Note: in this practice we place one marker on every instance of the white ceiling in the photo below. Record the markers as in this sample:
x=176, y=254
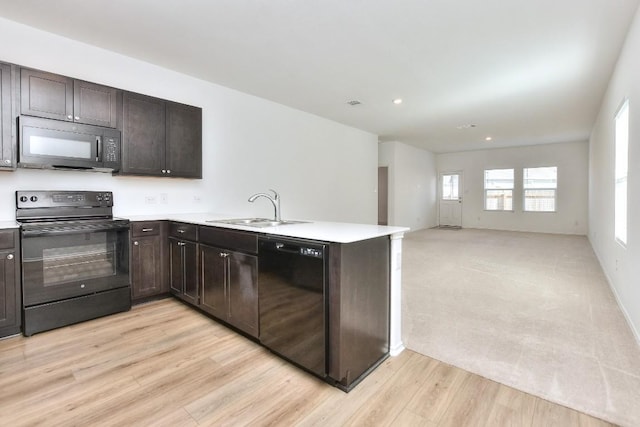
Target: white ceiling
x=524, y=71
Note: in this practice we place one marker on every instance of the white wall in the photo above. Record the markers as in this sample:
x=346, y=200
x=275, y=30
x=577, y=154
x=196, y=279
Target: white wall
x=412, y=185
x=571, y=204
x=620, y=264
x=322, y=169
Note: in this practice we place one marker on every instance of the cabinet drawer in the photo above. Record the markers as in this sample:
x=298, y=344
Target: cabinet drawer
x=7, y=239
x=183, y=231
x=145, y=228
x=223, y=238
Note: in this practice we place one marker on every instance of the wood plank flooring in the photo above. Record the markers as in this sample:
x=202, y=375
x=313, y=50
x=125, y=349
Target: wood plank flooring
x=164, y=364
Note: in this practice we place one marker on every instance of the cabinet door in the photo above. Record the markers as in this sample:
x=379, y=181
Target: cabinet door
x=8, y=308
x=176, y=263
x=243, y=292
x=6, y=117
x=214, y=290
x=146, y=266
x=95, y=104
x=46, y=95
x=143, y=135
x=191, y=288
x=184, y=140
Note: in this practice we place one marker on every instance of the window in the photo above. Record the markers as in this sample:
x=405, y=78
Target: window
x=498, y=189
x=450, y=187
x=540, y=186
x=621, y=167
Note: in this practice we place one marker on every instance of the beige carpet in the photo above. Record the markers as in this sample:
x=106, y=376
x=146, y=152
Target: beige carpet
x=532, y=311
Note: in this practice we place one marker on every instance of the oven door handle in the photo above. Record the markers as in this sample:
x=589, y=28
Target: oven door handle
x=74, y=230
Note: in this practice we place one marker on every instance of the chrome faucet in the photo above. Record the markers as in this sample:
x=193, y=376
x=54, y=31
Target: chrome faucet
x=275, y=200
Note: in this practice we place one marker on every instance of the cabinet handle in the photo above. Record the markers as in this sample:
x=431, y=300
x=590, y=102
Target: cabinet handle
x=77, y=118
x=10, y=256
x=164, y=171
x=135, y=243
x=223, y=254
x=168, y=170
x=180, y=231
x=181, y=243
x=70, y=117
x=7, y=161
x=144, y=230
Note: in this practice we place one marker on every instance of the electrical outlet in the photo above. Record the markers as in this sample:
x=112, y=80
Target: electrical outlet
x=164, y=198
x=150, y=200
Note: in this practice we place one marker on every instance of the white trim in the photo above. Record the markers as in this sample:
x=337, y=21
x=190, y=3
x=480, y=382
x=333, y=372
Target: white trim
x=395, y=298
x=634, y=331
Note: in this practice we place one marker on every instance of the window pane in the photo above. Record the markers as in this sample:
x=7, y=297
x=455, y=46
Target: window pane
x=499, y=200
x=540, y=177
x=498, y=178
x=621, y=211
x=450, y=187
x=621, y=170
x=498, y=188
x=540, y=200
x=540, y=189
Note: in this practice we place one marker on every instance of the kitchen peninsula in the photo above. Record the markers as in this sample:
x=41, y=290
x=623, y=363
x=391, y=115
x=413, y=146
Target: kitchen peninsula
x=214, y=267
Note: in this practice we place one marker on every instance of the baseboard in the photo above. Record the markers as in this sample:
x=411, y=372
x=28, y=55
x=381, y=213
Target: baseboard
x=397, y=349
x=634, y=331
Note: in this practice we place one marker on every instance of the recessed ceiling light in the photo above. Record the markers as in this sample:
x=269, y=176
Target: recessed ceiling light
x=466, y=126
x=397, y=101
x=488, y=138
x=354, y=102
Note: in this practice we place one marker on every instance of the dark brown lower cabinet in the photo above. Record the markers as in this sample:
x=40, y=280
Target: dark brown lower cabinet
x=230, y=287
x=358, y=321
x=148, y=242
x=10, y=298
x=183, y=276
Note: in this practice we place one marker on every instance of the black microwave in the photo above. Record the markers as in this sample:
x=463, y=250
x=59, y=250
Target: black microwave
x=53, y=144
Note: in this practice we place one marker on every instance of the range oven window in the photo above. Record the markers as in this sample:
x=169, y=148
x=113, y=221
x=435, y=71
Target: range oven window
x=58, y=266
x=82, y=262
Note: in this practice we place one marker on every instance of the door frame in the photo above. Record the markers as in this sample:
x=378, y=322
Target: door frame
x=383, y=195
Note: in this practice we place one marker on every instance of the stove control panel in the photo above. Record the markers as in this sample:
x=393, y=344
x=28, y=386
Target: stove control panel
x=53, y=199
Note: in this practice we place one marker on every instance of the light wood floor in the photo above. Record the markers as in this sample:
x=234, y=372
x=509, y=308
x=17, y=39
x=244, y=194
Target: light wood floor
x=163, y=363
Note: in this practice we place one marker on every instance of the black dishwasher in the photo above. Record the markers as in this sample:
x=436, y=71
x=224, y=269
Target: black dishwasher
x=292, y=298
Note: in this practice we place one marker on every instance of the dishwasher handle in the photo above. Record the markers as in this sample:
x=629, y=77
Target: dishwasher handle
x=303, y=248
x=281, y=247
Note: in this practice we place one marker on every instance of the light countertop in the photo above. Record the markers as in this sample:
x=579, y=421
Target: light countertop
x=8, y=224
x=339, y=232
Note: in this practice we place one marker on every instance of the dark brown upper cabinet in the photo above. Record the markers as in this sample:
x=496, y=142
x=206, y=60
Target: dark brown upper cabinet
x=160, y=138
x=184, y=140
x=53, y=96
x=143, y=135
x=7, y=131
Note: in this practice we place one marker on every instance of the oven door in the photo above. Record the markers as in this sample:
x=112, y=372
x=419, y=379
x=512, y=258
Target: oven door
x=60, y=262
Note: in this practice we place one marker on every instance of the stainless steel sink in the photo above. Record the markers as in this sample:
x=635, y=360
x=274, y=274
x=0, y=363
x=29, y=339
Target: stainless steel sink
x=255, y=222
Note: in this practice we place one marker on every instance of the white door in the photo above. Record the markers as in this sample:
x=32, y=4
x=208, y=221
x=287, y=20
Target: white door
x=450, y=199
